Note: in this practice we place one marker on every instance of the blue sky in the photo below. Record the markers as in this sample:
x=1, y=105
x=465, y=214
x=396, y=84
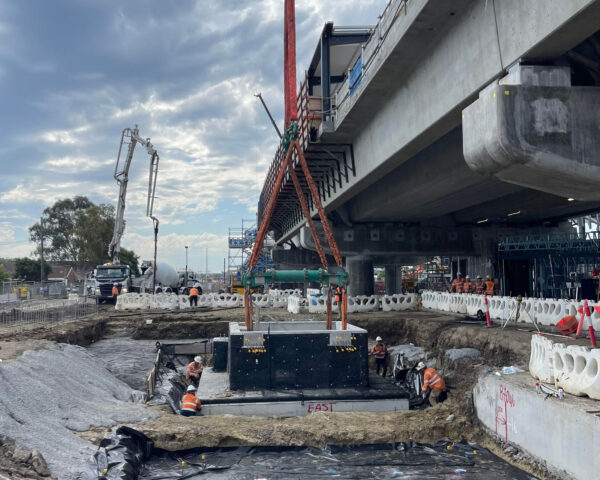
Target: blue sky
x=74, y=73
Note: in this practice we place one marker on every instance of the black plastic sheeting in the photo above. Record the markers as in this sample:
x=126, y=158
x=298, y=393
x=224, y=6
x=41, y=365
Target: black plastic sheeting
x=122, y=455
x=399, y=461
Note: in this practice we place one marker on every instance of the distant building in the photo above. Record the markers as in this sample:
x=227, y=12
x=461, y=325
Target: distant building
x=65, y=273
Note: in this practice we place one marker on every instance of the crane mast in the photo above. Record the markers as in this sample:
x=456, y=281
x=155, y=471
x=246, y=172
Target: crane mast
x=129, y=139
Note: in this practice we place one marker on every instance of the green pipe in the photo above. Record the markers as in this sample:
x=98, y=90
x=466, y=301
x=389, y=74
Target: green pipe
x=321, y=276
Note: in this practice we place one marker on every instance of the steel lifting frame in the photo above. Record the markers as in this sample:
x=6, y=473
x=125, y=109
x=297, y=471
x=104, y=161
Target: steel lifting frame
x=262, y=231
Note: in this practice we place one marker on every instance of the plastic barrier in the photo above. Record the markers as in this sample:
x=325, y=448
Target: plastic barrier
x=262, y=300
x=293, y=304
x=397, y=302
x=573, y=368
x=545, y=311
x=540, y=360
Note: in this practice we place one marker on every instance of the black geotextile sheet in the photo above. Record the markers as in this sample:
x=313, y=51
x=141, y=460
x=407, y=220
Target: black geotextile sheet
x=399, y=461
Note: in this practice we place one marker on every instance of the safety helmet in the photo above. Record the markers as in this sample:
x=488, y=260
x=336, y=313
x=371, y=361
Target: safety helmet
x=196, y=284
x=420, y=366
x=191, y=388
x=115, y=284
x=458, y=274
x=198, y=359
x=478, y=277
x=379, y=339
x=468, y=278
x=487, y=277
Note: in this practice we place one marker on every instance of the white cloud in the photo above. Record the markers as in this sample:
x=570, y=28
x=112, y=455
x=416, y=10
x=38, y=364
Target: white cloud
x=64, y=137
x=7, y=234
x=171, y=248
x=69, y=164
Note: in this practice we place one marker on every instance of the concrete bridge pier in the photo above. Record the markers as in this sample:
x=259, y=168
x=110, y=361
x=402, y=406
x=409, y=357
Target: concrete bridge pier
x=360, y=270
x=393, y=279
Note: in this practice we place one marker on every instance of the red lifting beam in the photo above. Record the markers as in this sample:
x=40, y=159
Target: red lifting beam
x=289, y=60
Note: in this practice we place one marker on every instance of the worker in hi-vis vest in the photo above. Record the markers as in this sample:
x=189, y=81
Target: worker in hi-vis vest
x=190, y=403
x=115, y=292
x=380, y=352
x=433, y=384
x=194, y=296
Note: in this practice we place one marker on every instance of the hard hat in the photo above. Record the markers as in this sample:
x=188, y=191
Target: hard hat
x=458, y=274
x=191, y=388
x=467, y=277
x=115, y=284
x=487, y=276
x=379, y=339
x=478, y=277
x=196, y=284
x=198, y=359
x=420, y=366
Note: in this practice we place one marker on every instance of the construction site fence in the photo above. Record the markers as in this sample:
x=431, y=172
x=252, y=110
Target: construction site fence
x=14, y=291
x=45, y=311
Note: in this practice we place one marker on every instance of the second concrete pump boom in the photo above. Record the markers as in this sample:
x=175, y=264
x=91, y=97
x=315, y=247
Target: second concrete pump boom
x=129, y=139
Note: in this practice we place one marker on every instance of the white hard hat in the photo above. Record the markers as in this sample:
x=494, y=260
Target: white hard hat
x=198, y=359
x=458, y=273
x=115, y=284
x=196, y=284
x=487, y=276
x=420, y=366
x=478, y=277
x=468, y=277
x=191, y=388
x=379, y=339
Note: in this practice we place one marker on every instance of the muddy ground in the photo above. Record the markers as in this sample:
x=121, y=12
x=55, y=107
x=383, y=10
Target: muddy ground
x=452, y=421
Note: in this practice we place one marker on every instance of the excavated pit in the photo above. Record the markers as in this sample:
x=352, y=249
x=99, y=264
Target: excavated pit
x=450, y=421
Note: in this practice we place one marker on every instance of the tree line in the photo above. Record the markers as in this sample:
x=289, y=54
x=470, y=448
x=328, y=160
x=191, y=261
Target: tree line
x=76, y=232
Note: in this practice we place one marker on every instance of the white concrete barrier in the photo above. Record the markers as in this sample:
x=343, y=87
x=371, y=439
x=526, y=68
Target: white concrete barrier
x=573, y=368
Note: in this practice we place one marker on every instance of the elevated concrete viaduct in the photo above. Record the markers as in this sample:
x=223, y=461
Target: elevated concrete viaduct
x=451, y=125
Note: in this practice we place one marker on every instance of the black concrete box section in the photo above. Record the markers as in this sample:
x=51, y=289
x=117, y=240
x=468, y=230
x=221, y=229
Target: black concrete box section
x=297, y=355
x=220, y=345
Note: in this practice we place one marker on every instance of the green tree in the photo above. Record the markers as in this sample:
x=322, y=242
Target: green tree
x=75, y=231
x=3, y=274
x=94, y=228
x=128, y=257
x=57, y=228
x=29, y=270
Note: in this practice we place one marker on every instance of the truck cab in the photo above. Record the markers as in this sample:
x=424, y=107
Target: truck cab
x=105, y=276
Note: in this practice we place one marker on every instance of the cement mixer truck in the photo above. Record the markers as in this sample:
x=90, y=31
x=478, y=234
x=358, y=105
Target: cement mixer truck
x=167, y=279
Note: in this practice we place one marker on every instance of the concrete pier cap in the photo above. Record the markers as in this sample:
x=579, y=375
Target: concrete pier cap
x=533, y=129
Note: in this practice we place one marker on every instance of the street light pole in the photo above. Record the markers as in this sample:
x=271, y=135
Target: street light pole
x=42, y=250
x=185, y=285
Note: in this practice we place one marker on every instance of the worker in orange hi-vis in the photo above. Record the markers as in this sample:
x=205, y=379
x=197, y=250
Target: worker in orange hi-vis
x=115, y=292
x=479, y=285
x=190, y=403
x=380, y=352
x=433, y=384
x=457, y=283
x=194, y=371
x=489, y=285
x=194, y=296
x=468, y=286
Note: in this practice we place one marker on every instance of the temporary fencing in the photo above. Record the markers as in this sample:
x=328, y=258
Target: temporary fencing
x=40, y=312
x=544, y=311
x=573, y=368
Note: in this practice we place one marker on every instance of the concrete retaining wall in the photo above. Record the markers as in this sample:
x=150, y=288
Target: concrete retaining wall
x=561, y=434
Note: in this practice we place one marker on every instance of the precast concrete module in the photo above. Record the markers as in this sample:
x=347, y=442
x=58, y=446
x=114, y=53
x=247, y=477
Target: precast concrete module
x=297, y=355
